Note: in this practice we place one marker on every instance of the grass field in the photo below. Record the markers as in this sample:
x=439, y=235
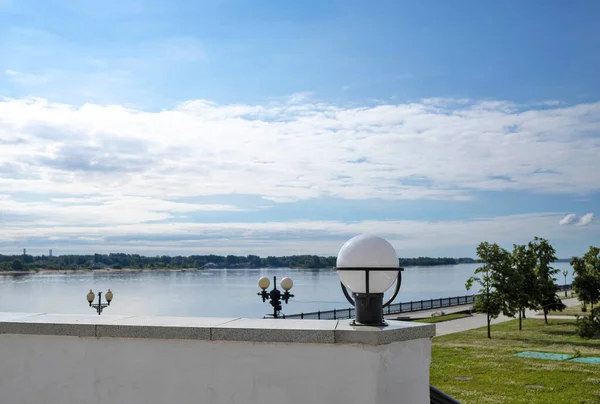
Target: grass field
x=446, y=317
x=473, y=369
x=570, y=311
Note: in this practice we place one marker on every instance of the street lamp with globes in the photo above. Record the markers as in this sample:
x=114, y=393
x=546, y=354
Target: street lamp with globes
x=99, y=306
x=368, y=265
x=275, y=296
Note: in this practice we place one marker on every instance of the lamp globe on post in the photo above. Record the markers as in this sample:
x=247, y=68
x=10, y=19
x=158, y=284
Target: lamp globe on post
x=286, y=284
x=108, y=296
x=368, y=266
x=264, y=283
x=90, y=297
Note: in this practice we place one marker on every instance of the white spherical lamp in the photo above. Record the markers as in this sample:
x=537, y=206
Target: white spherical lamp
x=367, y=251
x=286, y=283
x=264, y=283
x=361, y=264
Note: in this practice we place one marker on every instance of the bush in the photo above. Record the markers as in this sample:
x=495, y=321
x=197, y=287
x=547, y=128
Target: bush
x=117, y=266
x=589, y=326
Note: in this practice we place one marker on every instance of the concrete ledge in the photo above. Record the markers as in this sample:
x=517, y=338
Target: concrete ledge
x=270, y=330
x=395, y=331
x=214, y=329
x=162, y=327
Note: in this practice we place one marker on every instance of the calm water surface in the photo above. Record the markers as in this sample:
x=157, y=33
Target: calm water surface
x=215, y=293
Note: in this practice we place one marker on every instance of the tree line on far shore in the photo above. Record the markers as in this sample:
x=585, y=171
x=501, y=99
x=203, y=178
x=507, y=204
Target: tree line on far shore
x=136, y=261
x=511, y=282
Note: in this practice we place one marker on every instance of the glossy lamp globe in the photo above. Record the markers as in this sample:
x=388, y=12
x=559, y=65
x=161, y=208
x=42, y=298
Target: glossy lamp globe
x=367, y=251
x=286, y=283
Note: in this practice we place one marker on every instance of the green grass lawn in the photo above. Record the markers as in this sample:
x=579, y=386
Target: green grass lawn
x=473, y=369
x=446, y=317
x=570, y=311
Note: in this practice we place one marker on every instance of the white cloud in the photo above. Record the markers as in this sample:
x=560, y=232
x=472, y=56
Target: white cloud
x=101, y=210
x=122, y=170
x=572, y=218
x=300, y=151
x=569, y=219
x=410, y=238
x=585, y=219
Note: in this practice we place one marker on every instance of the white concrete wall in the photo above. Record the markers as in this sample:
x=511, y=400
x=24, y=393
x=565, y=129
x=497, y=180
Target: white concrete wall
x=40, y=369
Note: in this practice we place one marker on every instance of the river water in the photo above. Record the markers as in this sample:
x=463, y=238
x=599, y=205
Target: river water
x=214, y=293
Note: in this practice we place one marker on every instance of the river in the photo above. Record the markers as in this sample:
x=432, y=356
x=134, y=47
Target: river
x=214, y=293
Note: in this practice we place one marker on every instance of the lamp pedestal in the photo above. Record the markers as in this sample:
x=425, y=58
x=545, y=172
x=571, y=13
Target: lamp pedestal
x=369, y=309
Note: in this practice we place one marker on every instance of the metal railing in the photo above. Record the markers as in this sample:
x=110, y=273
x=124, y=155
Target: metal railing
x=394, y=308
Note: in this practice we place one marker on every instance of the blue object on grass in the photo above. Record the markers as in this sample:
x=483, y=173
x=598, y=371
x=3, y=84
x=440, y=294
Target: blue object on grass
x=587, y=359
x=544, y=355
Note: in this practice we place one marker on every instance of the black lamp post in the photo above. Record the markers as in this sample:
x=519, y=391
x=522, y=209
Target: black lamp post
x=368, y=266
x=99, y=306
x=275, y=296
x=565, y=272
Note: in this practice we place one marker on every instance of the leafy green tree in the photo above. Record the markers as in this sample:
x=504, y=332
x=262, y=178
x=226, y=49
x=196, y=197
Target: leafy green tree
x=523, y=281
x=17, y=265
x=545, y=296
x=492, y=279
x=586, y=282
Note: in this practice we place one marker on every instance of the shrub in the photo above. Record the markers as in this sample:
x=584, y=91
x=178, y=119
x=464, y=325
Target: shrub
x=589, y=326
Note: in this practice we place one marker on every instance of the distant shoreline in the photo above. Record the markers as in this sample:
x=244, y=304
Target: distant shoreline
x=136, y=270
x=102, y=270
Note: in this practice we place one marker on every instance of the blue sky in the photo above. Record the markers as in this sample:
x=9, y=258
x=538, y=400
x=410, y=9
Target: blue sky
x=274, y=127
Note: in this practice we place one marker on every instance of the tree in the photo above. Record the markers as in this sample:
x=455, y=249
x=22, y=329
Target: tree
x=492, y=278
x=231, y=260
x=545, y=295
x=586, y=282
x=314, y=262
x=17, y=265
x=523, y=280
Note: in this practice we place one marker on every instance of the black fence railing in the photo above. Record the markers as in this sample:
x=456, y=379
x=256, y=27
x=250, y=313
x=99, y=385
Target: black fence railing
x=396, y=308
x=562, y=288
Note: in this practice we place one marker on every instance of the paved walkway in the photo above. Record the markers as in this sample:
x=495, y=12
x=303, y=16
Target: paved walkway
x=479, y=320
x=413, y=315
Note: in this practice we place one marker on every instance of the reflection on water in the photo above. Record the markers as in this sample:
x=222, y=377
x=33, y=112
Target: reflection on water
x=217, y=292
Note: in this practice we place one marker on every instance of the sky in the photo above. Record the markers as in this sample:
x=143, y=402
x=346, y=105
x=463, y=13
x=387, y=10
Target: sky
x=274, y=128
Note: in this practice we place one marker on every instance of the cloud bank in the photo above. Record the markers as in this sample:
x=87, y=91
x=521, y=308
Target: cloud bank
x=409, y=237
x=299, y=151
x=115, y=175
